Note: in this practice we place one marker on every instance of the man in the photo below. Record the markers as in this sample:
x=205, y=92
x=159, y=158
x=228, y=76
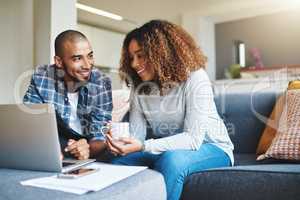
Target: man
x=80, y=94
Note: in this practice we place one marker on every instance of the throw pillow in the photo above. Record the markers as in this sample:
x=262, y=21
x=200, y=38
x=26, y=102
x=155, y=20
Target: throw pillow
x=294, y=85
x=271, y=126
x=272, y=123
x=286, y=144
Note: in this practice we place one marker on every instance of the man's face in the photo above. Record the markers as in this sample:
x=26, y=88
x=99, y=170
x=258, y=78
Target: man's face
x=76, y=60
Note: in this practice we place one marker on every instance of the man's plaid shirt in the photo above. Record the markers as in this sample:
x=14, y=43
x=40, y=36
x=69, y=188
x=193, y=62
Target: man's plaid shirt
x=94, y=98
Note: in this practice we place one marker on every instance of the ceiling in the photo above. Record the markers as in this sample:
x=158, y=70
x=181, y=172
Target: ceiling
x=137, y=12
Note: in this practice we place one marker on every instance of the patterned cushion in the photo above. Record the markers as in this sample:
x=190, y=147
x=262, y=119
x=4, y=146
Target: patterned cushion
x=286, y=144
x=271, y=126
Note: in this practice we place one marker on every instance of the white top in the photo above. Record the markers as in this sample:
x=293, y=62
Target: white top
x=74, y=121
x=184, y=118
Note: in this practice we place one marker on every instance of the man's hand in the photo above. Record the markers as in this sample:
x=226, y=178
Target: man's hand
x=79, y=149
x=123, y=146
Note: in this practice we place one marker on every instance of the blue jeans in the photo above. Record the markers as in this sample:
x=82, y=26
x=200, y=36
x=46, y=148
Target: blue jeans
x=178, y=164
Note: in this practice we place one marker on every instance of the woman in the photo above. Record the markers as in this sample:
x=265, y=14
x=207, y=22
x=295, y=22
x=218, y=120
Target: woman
x=173, y=97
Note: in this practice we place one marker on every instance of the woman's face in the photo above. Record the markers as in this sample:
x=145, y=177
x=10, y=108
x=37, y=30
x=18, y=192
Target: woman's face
x=139, y=62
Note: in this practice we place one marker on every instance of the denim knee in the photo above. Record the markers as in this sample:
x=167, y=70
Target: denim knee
x=172, y=162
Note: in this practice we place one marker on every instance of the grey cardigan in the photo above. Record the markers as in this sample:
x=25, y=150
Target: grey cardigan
x=184, y=118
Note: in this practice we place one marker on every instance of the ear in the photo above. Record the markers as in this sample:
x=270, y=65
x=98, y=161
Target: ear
x=58, y=61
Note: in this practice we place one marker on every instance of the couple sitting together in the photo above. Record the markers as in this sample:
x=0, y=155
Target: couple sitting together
x=174, y=125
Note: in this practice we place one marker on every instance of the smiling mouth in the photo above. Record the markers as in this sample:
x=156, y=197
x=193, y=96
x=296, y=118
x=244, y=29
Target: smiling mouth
x=141, y=70
x=85, y=73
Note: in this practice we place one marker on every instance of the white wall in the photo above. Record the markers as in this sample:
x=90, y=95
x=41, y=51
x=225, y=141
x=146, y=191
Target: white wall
x=107, y=47
x=16, y=39
x=106, y=44
x=42, y=46
x=63, y=17
x=50, y=18
x=28, y=30
x=202, y=30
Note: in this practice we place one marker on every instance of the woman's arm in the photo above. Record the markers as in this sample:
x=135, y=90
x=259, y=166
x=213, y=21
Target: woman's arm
x=200, y=118
x=137, y=121
x=138, y=129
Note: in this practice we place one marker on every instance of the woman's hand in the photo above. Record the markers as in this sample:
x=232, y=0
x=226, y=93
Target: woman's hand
x=123, y=146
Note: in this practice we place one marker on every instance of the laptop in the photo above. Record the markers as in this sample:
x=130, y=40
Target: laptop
x=29, y=139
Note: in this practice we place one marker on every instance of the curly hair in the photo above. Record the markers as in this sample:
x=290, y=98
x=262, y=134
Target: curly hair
x=168, y=48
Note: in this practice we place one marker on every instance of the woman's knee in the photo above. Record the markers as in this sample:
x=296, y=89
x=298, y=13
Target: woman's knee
x=174, y=161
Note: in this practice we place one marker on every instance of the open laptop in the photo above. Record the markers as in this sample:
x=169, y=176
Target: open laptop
x=29, y=139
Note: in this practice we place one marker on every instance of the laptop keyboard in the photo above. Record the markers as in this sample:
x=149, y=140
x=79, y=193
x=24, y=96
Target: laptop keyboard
x=64, y=164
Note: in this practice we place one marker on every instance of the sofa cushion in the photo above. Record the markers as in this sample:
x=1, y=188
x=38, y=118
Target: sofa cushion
x=273, y=121
x=245, y=182
x=120, y=104
x=286, y=144
x=271, y=126
x=245, y=114
x=250, y=159
x=244, y=159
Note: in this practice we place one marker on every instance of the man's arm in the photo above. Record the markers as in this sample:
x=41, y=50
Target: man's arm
x=81, y=149
x=32, y=95
x=100, y=116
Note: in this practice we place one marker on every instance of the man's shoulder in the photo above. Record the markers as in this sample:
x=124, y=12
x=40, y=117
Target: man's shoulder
x=43, y=76
x=99, y=78
x=44, y=71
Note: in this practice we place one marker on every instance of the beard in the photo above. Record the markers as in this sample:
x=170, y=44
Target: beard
x=72, y=82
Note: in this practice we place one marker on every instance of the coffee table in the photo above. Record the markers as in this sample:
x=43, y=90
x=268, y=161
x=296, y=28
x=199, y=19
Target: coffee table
x=147, y=184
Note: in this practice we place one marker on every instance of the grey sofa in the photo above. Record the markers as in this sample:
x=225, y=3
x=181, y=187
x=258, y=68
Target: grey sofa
x=248, y=179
